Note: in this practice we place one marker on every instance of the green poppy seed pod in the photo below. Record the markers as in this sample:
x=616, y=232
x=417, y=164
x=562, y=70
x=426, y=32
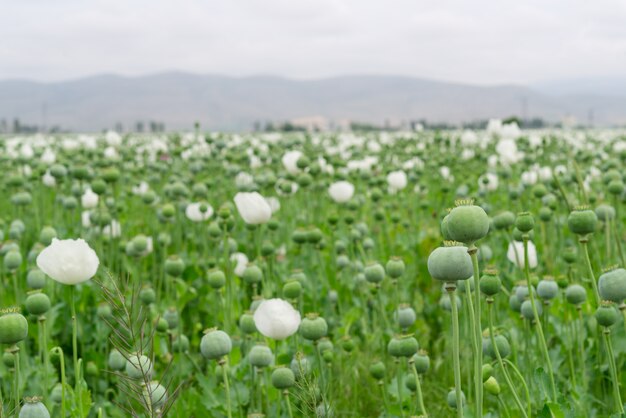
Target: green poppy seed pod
x=36, y=279
x=8, y=359
x=445, y=233
x=299, y=236
x=314, y=236
x=267, y=249
x=92, y=369
x=164, y=239
x=377, y=370
x=421, y=361
x=98, y=187
x=521, y=291
x=260, y=356
x=140, y=244
x=612, y=285
x=492, y=386
x=504, y=220
x=313, y=327
x=300, y=366
x=539, y=190
x=374, y=273
x=116, y=360
x=395, y=267
x=444, y=302
x=368, y=243
x=273, y=224
x=504, y=348
x=343, y=261
x=174, y=266
x=147, y=295
x=403, y=346
x=12, y=260
x=216, y=279
x=606, y=314
x=37, y=304
x=527, y=310
x=605, y=212
x=247, y=324
x=450, y=264
x=138, y=366
x=524, y=222
x=215, y=344
x=410, y=382
x=252, y=274
x=452, y=399
x=514, y=303
x=156, y=394
x=180, y=344
x=172, y=318
x=283, y=378
x=467, y=224
x=33, y=408
x=547, y=289
x=214, y=230
x=21, y=199
x=582, y=222
x=13, y=328
x=148, y=197
x=324, y=345
x=168, y=210
x=569, y=255
x=575, y=294
x=490, y=282
x=292, y=289
x=545, y=214
x=487, y=371
x=485, y=253
x=162, y=325
x=46, y=235
x=347, y=343
x=616, y=187
x=57, y=394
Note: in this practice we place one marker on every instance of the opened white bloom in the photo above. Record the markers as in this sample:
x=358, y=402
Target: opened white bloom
x=244, y=179
x=341, y=191
x=141, y=189
x=397, y=180
x=274, y=203
x=48, y=179
x=253, y=208
x=113, y=230
x=85, y=218
x=68, y=261
x=276, y=319
x=48, y=156
x=241, y=262
x=198, y=212
x=488, y=182
x=515, y=254
x=89, y=199
x=529, y=178
x=290, y=161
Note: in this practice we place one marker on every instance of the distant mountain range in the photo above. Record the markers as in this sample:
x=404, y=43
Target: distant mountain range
x=226, y=103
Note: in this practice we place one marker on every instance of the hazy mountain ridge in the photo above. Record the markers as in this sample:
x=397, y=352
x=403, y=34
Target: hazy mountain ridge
x=220, y=102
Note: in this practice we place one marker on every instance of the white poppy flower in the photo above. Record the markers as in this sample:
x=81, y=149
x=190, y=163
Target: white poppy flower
x=89, y=199
x=195, y=212
x=276, y=319
x=68, y=261
x=290, y=161
x=397, y=180
x=253, y=208
x=515, y=254
x=341, y=191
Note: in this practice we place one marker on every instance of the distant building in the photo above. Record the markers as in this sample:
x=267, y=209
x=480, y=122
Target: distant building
x=311, y=123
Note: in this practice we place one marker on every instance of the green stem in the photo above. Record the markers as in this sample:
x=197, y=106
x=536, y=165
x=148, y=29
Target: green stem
x=451, y=287
x=583, y=241
x=16, y=351
x=613, y=369
x=288, y=402
x=507, y=378
x=523, y=381
x=227, y=385
x=542, y=339
x=77, y=383
x=399, y=384
x=59, y=351
x=478, y=362
x=418, y=390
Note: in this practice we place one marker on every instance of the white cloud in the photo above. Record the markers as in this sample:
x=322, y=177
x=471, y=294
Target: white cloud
x=479, y=41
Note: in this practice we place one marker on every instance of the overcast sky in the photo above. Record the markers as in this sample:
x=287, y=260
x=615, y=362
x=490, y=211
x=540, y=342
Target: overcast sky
x=478, y=41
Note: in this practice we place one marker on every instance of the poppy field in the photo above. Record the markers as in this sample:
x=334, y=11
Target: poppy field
x=374, y=274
